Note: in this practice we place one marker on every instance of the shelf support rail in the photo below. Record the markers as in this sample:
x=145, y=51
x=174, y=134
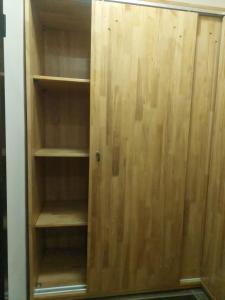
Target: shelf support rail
x=81, y=288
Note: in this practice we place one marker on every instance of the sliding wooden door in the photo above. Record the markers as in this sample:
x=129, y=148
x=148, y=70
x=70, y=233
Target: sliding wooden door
x=141, y=89
x=213, y=275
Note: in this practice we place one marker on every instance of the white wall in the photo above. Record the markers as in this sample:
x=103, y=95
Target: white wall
x=15, y=147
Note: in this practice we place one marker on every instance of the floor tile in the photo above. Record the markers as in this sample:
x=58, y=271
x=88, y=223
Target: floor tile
x=195, y=294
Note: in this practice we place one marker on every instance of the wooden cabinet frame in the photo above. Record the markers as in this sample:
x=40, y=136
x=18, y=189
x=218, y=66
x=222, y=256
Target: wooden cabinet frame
x=68, y=201
x=58, y=83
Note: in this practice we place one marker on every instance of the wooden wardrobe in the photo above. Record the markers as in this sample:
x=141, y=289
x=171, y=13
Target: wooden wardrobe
x=120, y=111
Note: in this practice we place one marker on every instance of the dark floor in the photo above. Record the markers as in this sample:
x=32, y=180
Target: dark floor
x=195, y=294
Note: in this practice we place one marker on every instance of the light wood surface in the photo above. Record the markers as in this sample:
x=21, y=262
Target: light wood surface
x=58, y=27
x=214, y=247
x=49, y=152
x=62, y=268
x=65, y=119
x=54, y=83
x=61, y=119
x=68, y=15
x=62, y=214
x=64, y=179
x=140, y=117
x=202, y=113
x=64, y=56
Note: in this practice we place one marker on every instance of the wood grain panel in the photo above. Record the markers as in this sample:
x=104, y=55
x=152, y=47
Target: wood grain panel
x=65, y=179
x=65, y=119
x=61, y=37
x=68, y=15
x=64, y=56
x=65, y=214
x=203, y=101
x=141, y=88
x=214, y=247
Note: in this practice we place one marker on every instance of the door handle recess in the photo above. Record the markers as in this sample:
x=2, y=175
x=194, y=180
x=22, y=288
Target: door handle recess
x=98, y=156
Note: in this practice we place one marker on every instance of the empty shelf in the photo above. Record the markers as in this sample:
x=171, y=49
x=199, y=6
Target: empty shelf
x=52, y=152
x=62, y=267
x=51, y=82
x=62, y=214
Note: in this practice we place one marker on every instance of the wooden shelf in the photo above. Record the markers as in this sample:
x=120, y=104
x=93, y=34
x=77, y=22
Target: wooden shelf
x=62, y=267
x=52, y=152
x=63, y=214
x=52, y=82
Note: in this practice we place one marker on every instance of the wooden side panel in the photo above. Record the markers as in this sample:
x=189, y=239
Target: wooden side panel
x=33, y=65
x=64, y=55
x=203, y=101
x=214, y=248
x=141, y=89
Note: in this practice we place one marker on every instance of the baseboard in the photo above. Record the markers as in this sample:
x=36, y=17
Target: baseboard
x=197, y=282
x=190, y=282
